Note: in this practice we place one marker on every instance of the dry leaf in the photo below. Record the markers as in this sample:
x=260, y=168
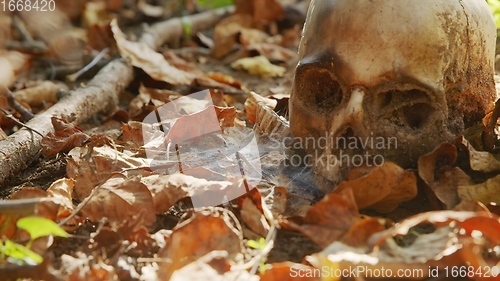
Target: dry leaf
x=261, y=10
x=141, y=105
x=5, y=28
x=273, y=52
x=119, y=199
x=65, y=41
x=482, y=161
x=193, y=239
x=250, y=36
x=168, y=189
x=438, y=164
x=253, y=213
x=329, y=219
x=12, y=63
x=225, y=79
x=3, y=135
x=66, y=137
x=226, y=33
x=486, y=192
x=132, y=132
x=449, y=245
x=153, y=63
x=90, y=165
x=61, y=191
x=252, y=104
x=289, y=271
x=214, y=266
x=362, y=230
x=382, y=188
x=259, y=65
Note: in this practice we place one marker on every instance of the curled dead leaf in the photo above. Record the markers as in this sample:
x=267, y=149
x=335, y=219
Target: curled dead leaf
x=328, y=219
x=437, y=171
x=168, y=189
x=153, y=63
x=119, y=199
x=482, y=161
x=381, y=188
x=259, y=65
x=90, y=165
x=486, y=192
x=66, y=137
x=196, y=237
x=252, y=103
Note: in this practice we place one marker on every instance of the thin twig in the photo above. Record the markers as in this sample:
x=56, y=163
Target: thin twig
x=11, y=100
x=72, y=78
x=19, y=123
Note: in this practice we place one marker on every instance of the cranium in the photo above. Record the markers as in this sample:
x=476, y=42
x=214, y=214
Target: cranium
x=370, y=71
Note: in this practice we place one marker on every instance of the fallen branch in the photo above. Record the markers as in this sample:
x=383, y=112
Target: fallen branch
x=100, y=94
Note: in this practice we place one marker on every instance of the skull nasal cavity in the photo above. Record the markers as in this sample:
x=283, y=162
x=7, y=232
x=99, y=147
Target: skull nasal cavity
x=320, y=90
x=416, y=115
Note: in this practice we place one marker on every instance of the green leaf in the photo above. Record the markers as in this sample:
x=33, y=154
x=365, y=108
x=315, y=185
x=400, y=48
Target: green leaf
x=40, y=227
x=214, y=4
x=20, y=253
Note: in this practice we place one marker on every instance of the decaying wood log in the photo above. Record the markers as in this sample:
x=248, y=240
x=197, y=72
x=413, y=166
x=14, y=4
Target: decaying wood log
x=100, y=94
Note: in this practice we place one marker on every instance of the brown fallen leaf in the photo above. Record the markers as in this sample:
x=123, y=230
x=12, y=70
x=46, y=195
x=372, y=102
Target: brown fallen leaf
x=141, y=105
x=273, y=52
x=362, y=230
x=328, y=219
x=225, y=79
x=226, y=33
x=482, y=161
x=55, y=29
x=254, y=214
x=91, y=165
x=196, y=237
x=250, y=36
x=3, y=135
x=213, y=266
x=289, y=271
x=168, y=189
x=261, y=10
x=252, y=103
x=145, y=58
x=12, y=63
x=386, y=261
x=61, y=192
x=487, y=192
x=5, y=28
x=259, y=65
x=381, y=188
x=119, y=199
x=66, y=137
x=437, y=171
x=451, y=244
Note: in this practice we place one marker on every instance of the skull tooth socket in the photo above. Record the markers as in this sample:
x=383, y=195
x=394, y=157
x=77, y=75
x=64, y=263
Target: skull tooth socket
x=419, y=71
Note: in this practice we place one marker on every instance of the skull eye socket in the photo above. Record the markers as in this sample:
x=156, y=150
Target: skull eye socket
x=317, y=88
x=397, y=97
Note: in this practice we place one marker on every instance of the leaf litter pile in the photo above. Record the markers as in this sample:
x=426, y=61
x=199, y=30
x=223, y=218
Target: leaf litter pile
x=94, y=192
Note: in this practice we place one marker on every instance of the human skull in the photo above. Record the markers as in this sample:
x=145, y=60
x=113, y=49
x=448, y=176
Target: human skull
x=371, y=71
